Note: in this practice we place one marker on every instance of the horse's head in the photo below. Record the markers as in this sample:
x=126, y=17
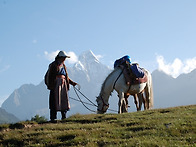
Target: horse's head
x=102, y=106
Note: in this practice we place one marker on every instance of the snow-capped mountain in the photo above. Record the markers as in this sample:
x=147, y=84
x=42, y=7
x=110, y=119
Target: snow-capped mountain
x=29, y=100
x=90, y=68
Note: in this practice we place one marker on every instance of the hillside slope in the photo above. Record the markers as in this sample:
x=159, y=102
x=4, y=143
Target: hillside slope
x=159, y=127
x=6, y=117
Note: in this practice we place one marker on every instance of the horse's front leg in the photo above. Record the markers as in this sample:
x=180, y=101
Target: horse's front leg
x=126, y=96
x=121, y=98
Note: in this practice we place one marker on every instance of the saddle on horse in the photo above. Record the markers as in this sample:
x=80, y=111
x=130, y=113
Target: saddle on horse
x=133, y=74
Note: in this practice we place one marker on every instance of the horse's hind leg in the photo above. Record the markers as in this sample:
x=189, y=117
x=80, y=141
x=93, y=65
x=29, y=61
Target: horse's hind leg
x=144, y=101
x=136, y=102
x=141, y=99
x=124, y=107
x=147, y=95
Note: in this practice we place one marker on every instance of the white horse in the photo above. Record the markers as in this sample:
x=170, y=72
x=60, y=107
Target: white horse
x=116, y=80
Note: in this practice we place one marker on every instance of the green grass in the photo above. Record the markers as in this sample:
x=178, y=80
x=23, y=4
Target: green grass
x=159, y=127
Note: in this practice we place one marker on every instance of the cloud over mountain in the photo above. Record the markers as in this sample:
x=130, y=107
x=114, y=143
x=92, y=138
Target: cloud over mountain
x=74, y=58
x=177, y=67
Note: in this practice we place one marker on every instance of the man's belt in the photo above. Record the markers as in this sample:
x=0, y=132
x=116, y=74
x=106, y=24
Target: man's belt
x=60, y=76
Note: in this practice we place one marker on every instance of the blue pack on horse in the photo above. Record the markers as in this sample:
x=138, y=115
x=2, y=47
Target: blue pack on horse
x=137, y=71
x=122, y=61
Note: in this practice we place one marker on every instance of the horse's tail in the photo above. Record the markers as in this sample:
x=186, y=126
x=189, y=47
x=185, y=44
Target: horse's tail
x=149, y=91
x=151, y=100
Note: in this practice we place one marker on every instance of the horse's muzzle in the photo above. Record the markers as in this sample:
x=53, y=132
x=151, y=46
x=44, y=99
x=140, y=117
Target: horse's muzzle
x=100, y=111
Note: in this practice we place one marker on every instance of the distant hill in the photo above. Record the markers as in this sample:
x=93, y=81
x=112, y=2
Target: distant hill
x=171, y=92
x=159, y=127
x=29, y=100
x=7, y=117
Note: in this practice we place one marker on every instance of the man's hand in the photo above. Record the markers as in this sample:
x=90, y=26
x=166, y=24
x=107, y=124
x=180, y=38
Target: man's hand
x=78, y=86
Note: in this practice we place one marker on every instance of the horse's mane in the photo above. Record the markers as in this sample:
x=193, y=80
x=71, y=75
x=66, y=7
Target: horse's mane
x=103, y=85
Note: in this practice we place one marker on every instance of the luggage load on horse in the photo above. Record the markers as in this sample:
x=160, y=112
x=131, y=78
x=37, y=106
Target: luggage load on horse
x=132, y=72
x=122, y=61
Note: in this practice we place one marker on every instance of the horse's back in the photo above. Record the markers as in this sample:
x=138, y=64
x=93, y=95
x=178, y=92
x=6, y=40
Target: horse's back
x=121, y=86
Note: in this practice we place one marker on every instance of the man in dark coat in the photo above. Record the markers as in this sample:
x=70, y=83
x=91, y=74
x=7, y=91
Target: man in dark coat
x=58, y=84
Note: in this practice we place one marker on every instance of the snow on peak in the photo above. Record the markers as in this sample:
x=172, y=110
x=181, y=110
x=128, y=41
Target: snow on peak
x=88, y=56
x=87, y=61
x=89, y=66
x=79, y=66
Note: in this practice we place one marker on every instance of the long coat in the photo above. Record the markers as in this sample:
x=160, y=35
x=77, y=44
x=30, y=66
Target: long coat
x=58, y=91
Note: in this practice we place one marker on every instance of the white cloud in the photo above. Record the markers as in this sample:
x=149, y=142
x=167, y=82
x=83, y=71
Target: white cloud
x=3, y=68
x=177, y=67
x=6, y=67
x=73, y=58
x=190, y=65
x=51, y=56
x=34, y=41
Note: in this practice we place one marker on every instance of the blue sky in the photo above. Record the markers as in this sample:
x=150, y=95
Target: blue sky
x=157, y=34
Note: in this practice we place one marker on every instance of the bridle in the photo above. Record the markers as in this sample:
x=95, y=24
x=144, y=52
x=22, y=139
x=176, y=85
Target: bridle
x=104, y=105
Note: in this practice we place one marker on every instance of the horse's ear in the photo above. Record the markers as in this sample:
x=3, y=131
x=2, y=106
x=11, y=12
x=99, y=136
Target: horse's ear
x=97, y=98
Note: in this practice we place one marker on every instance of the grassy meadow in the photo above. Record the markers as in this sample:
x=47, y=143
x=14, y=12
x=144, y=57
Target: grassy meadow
x=159, y=127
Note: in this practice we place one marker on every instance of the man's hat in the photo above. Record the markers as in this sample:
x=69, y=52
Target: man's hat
x=62, y=54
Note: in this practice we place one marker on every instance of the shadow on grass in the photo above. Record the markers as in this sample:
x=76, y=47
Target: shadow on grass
x=12, y=142
x=66, y=137
x=137, y=129
x=17, y=126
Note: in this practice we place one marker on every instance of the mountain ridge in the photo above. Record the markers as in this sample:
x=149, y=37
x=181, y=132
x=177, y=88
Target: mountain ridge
x=173, y=92
x=29, y=100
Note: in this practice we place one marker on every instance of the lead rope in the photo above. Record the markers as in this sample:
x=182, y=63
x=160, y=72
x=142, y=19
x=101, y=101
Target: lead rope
x=83, y=103
x=85, y=96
